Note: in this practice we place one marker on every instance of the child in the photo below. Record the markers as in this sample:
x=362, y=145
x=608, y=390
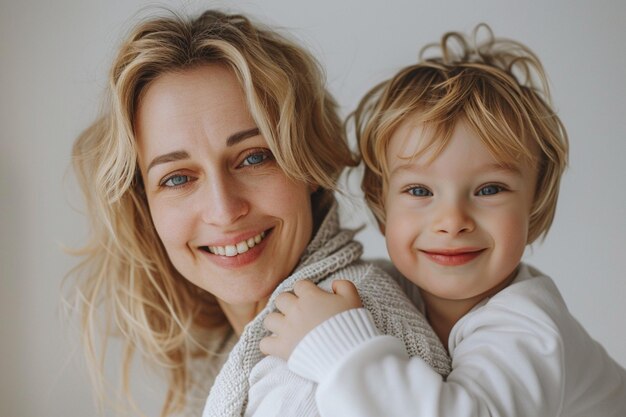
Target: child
x=463, y=159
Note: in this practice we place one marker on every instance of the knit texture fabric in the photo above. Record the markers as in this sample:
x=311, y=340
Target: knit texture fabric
x=331, y=255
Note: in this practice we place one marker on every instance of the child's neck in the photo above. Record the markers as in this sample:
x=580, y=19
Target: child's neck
x=443, y=313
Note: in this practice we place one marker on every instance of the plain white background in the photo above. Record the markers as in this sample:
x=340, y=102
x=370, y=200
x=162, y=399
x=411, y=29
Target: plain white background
x=54, y=58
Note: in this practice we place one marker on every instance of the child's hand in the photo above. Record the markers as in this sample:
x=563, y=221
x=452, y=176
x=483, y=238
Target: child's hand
x=301, y=311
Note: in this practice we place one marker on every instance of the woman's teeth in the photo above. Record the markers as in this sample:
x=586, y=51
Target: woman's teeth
x=238, y=248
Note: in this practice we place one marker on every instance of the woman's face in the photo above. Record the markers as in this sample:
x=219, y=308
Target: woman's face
x=231, y=221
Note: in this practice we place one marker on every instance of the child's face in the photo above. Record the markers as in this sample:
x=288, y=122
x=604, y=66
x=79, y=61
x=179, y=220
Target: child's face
x=456, y=226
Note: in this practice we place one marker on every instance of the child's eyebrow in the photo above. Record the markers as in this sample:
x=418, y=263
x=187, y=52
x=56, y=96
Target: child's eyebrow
x=511, y=168
x=414, y=167
x=407, y=167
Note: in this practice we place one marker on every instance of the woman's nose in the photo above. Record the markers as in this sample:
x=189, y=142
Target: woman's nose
x=224, y=202
x=453, y=218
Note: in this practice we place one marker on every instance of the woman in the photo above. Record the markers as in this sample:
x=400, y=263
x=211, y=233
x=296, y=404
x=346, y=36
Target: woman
x=209, y=183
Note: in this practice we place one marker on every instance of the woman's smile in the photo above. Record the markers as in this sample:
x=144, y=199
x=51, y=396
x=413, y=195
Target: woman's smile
x=240, y=254
x=237, y=248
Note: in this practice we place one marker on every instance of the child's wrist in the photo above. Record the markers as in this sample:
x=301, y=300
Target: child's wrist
x=326, y=344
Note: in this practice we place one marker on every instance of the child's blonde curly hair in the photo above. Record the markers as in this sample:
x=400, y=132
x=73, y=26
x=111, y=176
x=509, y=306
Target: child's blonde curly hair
x=498, y=86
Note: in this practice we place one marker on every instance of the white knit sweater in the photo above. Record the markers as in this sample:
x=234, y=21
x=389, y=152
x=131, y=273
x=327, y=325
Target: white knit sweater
x=332, y=254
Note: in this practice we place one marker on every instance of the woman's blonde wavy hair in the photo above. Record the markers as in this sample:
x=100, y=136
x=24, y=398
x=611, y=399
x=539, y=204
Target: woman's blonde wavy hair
x=125, y=273
x=498, y=86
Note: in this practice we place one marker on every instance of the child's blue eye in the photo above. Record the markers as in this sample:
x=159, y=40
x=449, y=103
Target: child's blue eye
x=255, y=158
x=490, y=190
x=420, y=192
x=176, y=181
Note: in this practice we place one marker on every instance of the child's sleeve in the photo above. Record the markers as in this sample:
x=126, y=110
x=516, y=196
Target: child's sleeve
x=503, y=366
x=275, y=391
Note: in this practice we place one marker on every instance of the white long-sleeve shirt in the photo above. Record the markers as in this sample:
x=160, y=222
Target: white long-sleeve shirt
x=519, y=353
x=275, y=391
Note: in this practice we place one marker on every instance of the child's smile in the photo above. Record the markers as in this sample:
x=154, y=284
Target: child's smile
x=452, y=257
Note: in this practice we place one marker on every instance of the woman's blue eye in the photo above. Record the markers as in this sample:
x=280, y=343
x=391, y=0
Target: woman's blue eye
x=490, y=190
x=420, y=192
x=176, y=180
x=255, y=159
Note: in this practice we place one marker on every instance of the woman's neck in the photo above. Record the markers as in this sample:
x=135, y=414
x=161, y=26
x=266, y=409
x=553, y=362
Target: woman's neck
x=241, y=314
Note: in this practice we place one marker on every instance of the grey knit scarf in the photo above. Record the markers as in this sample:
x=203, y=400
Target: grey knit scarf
x=332, y=254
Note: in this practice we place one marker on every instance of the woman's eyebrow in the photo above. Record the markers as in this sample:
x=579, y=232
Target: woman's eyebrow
x=168, y=157
x=180, y=155
x=239, y=136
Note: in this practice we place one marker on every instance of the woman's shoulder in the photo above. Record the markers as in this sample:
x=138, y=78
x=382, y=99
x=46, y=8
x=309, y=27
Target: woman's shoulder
x=367, y=274
x=394, y=313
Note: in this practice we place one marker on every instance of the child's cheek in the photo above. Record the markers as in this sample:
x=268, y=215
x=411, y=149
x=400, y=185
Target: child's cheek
x=401, y=232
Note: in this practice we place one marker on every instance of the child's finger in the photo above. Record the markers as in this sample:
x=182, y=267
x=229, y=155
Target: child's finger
x=284, y=301
x=274, y=346
x=346, y=289
x=304, y=286
x=273, y=321
x=269, y=346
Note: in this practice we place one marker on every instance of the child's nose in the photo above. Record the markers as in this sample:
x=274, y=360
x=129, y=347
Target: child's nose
x=453, y=218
